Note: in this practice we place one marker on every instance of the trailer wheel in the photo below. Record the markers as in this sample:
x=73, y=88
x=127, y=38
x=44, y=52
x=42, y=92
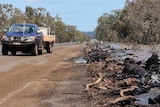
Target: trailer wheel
x=4, y=49
x=48, y=50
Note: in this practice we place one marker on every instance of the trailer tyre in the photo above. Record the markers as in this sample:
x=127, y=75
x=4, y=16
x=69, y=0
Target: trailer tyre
x=48, y=50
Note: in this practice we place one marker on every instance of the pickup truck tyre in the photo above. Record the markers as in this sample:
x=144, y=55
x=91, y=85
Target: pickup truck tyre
x=13, y=52
x=35, y=50
x=4, y=49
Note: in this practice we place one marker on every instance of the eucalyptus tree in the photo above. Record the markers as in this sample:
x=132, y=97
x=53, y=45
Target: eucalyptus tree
x=60, y=29
x=40, y=14
x=41, y=17
x=17, y=17
x=138, y=22
x=49, y=21
x=9, y=15
x=5, y=15
x=144, y=20
x=29, y=14
x=71, y=33
x=105, y=30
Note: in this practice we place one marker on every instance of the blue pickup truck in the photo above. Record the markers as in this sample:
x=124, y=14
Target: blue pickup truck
x=22, y=37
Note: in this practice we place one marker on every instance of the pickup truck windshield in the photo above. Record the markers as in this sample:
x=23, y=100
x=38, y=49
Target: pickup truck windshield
x=21, y=28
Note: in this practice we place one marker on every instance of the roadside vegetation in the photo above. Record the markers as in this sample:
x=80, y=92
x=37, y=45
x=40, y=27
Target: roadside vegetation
x=64, y=33
x=137, y=22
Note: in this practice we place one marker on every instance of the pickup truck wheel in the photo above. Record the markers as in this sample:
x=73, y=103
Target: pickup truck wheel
x=13, y=52
x=35, y=50
x=4, y=49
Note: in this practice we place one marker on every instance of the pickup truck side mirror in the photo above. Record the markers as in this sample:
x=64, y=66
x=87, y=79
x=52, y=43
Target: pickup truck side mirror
x=39, y=32
x=5, y=30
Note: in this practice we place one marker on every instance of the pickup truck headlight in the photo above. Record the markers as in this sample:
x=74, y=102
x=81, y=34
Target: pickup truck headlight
x=30, y=38
x=22, y=38
x=5, y=38
x=11, y=38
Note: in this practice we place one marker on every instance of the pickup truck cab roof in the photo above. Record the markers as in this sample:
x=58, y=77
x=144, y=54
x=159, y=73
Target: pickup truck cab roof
x=25, y=28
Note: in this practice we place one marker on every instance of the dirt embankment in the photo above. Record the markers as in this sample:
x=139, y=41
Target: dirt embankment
x=49, y=80
x=123, y=75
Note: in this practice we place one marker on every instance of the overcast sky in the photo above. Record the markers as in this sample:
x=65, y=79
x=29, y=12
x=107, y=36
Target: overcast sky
x=81, y=13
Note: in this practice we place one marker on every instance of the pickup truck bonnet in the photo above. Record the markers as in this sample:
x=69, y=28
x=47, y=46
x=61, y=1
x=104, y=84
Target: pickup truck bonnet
x=19, y=34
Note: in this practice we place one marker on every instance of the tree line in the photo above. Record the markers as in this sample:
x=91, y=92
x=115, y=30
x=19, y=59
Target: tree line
x=137, y=22
x=64, y=33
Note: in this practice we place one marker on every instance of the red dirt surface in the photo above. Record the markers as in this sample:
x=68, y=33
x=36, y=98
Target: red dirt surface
x=48, y=80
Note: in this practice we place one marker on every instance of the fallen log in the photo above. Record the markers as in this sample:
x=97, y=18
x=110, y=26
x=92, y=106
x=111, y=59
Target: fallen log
x=127, y=82
x=128, y=91
x=96, y=82
x=120, y=76
x=109, y=83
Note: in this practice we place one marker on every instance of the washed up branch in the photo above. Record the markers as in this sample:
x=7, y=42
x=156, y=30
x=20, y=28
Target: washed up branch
x=96, y=82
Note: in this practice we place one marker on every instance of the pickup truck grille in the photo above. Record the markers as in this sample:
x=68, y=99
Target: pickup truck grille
x=18, y=39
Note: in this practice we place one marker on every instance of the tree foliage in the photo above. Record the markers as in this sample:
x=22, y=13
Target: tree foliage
x=138, y=22
x=64, y=33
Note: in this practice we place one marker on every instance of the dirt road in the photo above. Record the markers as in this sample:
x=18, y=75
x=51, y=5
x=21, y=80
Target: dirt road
x=48, y=80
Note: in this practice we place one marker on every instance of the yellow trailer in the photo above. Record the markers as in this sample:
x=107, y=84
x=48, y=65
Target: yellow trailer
x=49, y=38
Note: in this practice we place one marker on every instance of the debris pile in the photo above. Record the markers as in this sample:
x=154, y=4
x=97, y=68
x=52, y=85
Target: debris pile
x=115, y=78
